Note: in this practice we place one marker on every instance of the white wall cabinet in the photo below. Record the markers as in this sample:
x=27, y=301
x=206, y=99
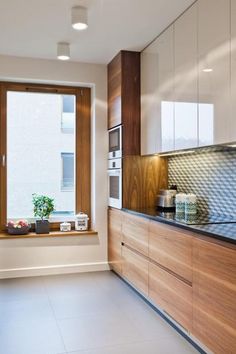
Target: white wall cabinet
x=214, y=71
x=157, y=93
x=186, y=81
x=188, y=96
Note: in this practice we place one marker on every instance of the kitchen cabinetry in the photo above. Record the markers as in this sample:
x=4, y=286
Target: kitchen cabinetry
x=214, y=294
x=171, y=294
x=185, y=98
x=186, y=80
x=157, y=90
x=114, y=239
x=135, y=269
x=135, y=233
x=171, y=248
x=214, y=71
x=124, y=99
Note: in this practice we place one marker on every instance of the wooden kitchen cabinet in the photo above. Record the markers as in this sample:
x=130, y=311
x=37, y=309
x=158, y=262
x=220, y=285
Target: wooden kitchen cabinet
x=135, y=232
x=135, y=269
x=124, y=99
x=186, y=80
x=214, y=294
x=157, y=94
x=114, y=239
x=214, y=71
x=171, y=248
x=171, y=294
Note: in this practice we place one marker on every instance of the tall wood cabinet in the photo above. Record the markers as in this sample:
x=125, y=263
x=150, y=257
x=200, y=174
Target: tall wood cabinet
x=124, y=99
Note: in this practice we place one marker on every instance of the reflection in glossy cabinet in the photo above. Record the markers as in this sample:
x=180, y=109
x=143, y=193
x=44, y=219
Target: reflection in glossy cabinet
x=214, y=71
x=185, y=81
x=157, y=107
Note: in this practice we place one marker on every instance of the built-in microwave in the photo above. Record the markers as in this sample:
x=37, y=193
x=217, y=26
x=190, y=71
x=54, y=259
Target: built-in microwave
x=115, y=142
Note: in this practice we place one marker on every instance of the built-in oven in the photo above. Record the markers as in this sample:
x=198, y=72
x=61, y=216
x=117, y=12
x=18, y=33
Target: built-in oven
x=115, y=183
x=115, y=142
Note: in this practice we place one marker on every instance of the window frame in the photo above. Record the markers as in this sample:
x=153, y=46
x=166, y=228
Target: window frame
x=82, y=143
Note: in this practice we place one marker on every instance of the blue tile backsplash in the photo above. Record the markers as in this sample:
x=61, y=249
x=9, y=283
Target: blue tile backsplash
x=211, y=175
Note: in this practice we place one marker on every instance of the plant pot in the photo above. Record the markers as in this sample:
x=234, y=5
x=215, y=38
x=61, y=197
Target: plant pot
x=42, y=227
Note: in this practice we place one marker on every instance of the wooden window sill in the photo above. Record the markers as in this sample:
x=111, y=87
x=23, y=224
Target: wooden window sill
x=52, y=234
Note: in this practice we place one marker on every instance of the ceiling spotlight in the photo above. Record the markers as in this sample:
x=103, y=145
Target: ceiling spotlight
x=79, y=18
x=63, y=51
x=207, y=70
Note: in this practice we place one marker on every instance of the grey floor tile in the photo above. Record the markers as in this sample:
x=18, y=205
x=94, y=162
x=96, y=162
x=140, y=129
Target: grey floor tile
x=31, y=337
x=21, y=288
x=26, y=309
x=146, y=347
x=81, y=304
x=97, y=331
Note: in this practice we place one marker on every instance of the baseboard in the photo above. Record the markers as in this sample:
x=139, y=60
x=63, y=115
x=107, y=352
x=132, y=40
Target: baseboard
x=55, y=269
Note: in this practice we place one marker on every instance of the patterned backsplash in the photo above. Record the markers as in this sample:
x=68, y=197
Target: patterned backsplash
x=211, y=175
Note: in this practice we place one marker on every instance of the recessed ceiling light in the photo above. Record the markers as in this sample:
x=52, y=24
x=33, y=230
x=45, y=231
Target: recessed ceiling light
x=207, y=70
x=79, y=18
x=63, y=51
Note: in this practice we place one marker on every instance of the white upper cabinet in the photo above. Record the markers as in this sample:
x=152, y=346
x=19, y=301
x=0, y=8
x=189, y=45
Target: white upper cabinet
x=186, y=80
x=214, y=71
x=233, y=73
x=157, y=89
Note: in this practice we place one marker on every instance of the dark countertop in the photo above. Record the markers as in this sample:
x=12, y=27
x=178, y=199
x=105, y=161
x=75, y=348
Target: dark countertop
x=225, y=231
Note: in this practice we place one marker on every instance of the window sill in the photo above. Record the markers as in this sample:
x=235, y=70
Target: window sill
x=52, y=234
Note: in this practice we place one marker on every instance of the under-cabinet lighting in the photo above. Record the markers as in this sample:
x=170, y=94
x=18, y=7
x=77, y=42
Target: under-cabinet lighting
x=177, y=153
x=207, y=70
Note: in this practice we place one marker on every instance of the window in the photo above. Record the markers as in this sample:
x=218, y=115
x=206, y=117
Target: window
x=68, y=113
x=67, y=183
x=40, y=157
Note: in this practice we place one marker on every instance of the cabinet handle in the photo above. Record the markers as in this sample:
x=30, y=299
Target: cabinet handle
x=3, y=160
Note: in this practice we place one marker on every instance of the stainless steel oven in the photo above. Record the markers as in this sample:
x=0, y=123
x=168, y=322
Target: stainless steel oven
x=115, y=183
x=115, y=143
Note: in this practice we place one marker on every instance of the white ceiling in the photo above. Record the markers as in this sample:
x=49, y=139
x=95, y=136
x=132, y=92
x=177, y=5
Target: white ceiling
x=32, y=28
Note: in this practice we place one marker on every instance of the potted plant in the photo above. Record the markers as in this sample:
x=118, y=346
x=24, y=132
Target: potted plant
x=43, y=207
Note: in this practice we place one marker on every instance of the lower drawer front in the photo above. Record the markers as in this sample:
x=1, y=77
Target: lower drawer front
x=135, y=269
x=114, y=254
x=171, y=294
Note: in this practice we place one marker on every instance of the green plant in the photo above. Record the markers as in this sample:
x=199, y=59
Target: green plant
x=43, y=206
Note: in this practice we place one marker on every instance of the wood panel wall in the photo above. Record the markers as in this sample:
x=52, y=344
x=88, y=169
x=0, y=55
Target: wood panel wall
x=143, y=177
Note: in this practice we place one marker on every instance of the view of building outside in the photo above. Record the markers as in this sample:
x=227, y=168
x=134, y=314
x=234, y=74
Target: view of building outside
x=40, y=151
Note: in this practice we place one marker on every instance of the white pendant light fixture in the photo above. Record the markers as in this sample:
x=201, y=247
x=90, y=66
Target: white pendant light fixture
x=63, y=51
x=79, y=18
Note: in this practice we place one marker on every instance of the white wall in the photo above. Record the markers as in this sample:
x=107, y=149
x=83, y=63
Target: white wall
x=45, y=256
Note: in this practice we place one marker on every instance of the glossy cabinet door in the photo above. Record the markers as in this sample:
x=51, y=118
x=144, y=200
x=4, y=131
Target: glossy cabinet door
x=186, y=80
x=157, y=89
x=214, y=71
x=232, y=137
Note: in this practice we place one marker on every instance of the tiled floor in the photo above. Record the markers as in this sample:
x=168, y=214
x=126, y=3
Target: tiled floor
x=92, y=313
